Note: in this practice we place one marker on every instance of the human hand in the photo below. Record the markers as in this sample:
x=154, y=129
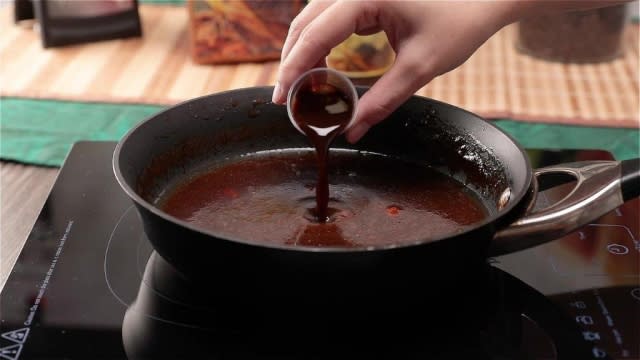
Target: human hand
x=429, y=37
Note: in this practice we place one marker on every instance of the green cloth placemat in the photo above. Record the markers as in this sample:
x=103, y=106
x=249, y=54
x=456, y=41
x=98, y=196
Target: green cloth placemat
x=41, y=132
x=622, y=143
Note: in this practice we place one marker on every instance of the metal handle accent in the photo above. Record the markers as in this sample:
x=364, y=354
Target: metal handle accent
x=597, y=192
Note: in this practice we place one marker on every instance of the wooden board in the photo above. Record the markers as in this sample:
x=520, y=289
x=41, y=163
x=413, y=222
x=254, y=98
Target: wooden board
x=24, y=191
x=496, y=81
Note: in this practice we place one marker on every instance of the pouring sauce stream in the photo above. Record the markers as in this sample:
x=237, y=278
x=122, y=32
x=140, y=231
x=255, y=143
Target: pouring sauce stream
x=321, y=111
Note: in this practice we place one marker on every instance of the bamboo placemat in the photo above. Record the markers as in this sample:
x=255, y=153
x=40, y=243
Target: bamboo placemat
x=496, y=81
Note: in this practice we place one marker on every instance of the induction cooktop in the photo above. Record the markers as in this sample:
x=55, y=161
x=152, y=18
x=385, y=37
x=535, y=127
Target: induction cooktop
x=88, y=284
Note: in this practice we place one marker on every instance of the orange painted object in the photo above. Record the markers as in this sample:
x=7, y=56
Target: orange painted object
x=233, y=31
x=393, y=210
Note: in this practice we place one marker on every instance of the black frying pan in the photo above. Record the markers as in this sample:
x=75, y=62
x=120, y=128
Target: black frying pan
x=157, y=153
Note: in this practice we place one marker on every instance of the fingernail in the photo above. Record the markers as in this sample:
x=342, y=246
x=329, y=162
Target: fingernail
x=276, y=98
x=357, y=131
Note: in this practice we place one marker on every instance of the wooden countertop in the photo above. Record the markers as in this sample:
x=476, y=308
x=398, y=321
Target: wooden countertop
x=23, y=192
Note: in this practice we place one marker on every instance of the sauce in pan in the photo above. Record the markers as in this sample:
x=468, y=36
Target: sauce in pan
x=375, y=201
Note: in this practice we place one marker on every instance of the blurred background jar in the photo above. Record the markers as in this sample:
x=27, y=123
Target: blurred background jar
x=237, y=31
x=574, y=37
x=362, y=57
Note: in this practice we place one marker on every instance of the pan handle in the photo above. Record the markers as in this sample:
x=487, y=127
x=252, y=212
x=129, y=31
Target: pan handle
x=601, y=186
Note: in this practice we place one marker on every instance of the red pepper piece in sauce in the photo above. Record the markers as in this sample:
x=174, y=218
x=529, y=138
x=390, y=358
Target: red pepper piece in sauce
x=393, y=210
x=230, y=193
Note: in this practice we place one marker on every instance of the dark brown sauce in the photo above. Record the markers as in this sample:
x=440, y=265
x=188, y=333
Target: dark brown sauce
x=376, y=201
x=321, y=111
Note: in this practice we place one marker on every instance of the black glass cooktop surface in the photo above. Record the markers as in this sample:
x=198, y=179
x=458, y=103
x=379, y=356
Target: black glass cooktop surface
x=89, y=285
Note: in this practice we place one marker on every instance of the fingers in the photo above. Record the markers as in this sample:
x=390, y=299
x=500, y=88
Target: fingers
x=407, y=75
x=313, y=44
x=301, y=21
x=298, y=25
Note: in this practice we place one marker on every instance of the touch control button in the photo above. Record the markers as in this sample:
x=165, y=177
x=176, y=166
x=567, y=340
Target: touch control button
x=617, y=249
x=598, y=250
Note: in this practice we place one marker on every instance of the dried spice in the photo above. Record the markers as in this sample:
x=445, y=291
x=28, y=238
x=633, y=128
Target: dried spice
x=576, y=37
x=230, y=31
